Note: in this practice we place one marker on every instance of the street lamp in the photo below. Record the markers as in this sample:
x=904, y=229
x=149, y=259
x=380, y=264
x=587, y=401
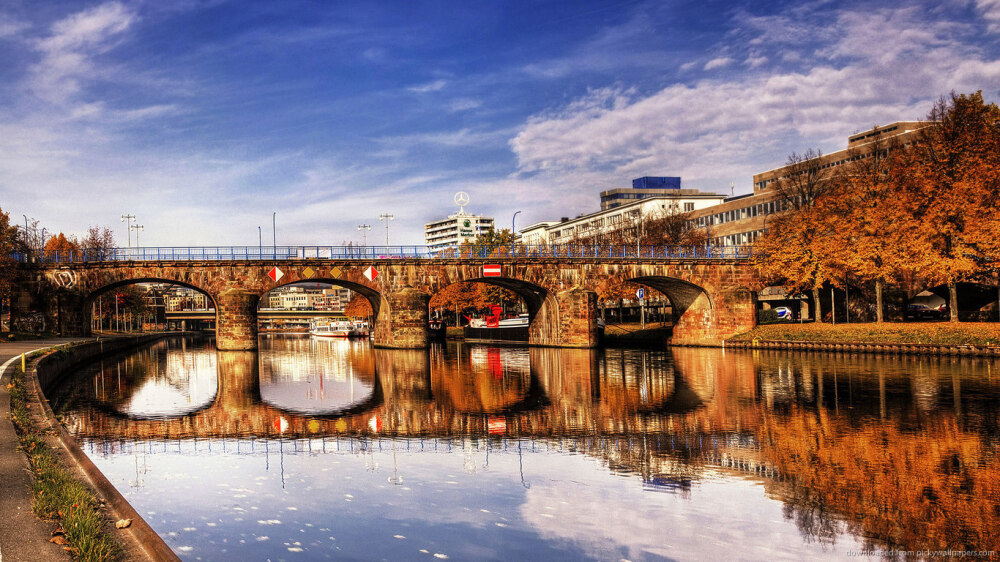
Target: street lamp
x=137, y=228
x=274, y=235
x=129, y=219
x=386, y=217
x=364, y=228
x=260, y=242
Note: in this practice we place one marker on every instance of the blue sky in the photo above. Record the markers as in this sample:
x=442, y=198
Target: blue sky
x=203, y=118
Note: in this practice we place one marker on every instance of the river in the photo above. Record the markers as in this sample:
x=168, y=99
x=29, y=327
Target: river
x=330, y=449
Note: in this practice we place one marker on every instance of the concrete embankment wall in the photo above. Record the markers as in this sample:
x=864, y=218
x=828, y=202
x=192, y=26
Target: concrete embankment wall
x=881, y=348
x=49, y=371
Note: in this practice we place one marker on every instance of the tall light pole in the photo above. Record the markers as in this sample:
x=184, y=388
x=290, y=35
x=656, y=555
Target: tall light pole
x=137, y=228
x=274, y=235
x=260, y=241
x=128, y=219
x=364, y=228
x=386, y=217
x=514, y=218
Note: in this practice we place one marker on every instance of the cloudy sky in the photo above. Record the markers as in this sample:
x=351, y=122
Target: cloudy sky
x=203, y=118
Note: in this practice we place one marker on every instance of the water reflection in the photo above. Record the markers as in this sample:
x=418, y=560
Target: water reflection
x=876, y=451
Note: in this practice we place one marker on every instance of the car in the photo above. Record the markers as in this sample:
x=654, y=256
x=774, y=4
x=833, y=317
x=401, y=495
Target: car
x=917, y=311
x=784, y=313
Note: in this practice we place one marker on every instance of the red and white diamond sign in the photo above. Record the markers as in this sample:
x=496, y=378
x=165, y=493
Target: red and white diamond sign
x=371, y=273
x=492, y=271
x=275, y=274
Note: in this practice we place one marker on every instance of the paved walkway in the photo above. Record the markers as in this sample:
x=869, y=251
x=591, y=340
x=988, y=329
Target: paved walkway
x=22, y=535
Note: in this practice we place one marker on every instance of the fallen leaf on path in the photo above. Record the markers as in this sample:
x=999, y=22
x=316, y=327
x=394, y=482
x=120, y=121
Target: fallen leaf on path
x=59, y=539
x=123, y=523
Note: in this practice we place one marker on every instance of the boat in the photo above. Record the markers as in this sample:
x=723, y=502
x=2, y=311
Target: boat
x=334, y=329
x=361, y=328
x=493, y=329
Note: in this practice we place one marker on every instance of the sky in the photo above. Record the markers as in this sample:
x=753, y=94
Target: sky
x=208, y=119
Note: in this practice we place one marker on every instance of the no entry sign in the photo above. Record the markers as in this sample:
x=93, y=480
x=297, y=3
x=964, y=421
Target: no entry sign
x=492, y=271
x=371, y=273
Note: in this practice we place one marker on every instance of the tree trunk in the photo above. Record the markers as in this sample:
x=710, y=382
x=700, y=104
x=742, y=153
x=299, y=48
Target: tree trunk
x=817, y=308
x=879, y=305
x=953, y=300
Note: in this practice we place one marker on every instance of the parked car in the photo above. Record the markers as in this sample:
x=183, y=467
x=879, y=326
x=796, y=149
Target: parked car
x=784, y=313
x=923, y=312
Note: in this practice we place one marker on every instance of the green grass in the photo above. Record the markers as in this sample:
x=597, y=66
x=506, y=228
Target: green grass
x=57, y=494
x=931, y=333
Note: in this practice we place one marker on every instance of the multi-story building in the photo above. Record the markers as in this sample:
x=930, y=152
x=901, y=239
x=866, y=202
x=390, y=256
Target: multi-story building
x=656, y=201
x=456, y=229
x=642, y=188
x=742, y=219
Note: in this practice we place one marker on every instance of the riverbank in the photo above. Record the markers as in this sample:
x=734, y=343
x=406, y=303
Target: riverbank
x=912, y=337
x=65, y=490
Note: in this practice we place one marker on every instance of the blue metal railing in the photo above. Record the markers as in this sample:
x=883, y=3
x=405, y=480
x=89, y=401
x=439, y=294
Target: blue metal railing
x=272, y=253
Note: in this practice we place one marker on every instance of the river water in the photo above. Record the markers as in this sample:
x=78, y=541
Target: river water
x=330, y=449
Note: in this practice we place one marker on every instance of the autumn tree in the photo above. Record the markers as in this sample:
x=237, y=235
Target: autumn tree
x=59, y=247
x=358, y=307
x=797, y=247
x=98, y=238
x=10, y=243
x=954, y=168
x=875, y=241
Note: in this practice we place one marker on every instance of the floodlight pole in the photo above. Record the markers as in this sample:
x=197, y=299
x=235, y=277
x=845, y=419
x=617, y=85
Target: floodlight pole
x=386, y=217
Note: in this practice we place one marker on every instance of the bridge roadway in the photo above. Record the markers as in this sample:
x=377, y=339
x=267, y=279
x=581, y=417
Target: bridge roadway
x=712, y=294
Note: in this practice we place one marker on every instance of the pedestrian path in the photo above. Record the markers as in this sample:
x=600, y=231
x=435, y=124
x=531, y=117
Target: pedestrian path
x=23, y=537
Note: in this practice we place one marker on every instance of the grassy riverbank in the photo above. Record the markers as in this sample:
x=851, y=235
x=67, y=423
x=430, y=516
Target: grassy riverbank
x=57, y=494
x=932, y=333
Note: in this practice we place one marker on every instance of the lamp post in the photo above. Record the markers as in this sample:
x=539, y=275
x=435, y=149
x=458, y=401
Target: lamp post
x=274, y=235
x=386, y=217
x=128, y=219
x=137, y=228
x=364, y=228
x=260, y=242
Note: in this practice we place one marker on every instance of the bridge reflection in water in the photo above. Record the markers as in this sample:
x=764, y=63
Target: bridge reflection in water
x=899, y=452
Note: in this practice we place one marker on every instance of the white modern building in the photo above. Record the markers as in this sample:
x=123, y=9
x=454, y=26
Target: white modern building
x=456, y=229
x=624, y=214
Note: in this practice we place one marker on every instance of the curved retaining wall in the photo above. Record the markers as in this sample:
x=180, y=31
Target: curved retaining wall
x=51, y=369
x=883, y=348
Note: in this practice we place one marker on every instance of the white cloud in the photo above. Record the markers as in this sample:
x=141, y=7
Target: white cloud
x=9, y=27
x=721, y=129
x=68, y=52
x=991, y=13
x=718, y=63
x=464, y=104
x=434, y=86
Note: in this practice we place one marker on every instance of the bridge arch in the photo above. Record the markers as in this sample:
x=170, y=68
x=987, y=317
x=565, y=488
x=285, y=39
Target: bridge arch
x=555, y=318
x=94, y=295
x=373, y=296
x=683, y=295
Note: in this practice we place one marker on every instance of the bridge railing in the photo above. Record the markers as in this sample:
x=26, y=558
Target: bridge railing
x=273, y=253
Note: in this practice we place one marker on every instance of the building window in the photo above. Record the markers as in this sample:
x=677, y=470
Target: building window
x=688, y=207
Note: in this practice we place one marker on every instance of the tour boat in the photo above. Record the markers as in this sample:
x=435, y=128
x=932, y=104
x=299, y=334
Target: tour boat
x=334, y=329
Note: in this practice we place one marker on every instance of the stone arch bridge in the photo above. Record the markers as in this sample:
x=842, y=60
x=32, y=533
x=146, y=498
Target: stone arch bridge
x=712, y=297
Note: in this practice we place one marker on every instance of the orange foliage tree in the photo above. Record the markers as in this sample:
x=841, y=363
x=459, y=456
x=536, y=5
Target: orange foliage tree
x=358, y=307
x=10, y=242
x=59, y=247
x=954, y=191
x=798, y=248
